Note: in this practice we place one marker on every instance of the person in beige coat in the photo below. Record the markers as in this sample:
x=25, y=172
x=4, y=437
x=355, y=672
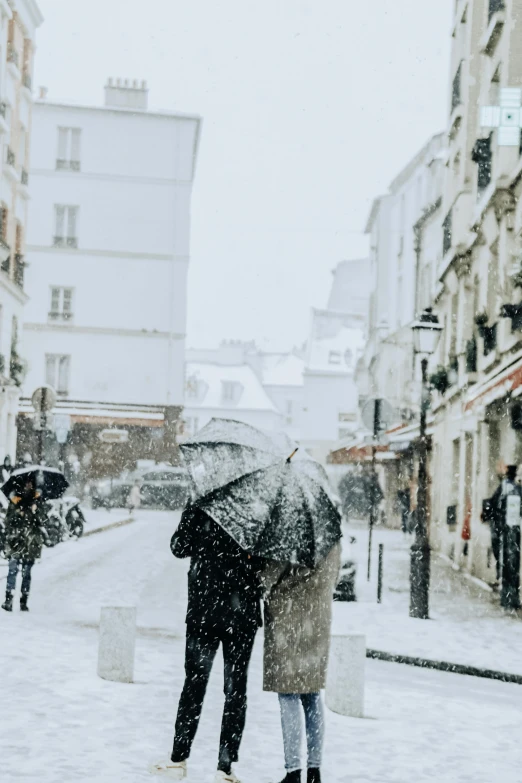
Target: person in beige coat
x=298, y=614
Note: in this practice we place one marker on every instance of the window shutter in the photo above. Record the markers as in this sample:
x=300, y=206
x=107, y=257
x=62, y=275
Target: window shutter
x=75, y=144
x=55, y=300
x=63, y=135
x=60, y=220
x=50, y=365
x=71, y=222
x=67, y=301
x=63, y=374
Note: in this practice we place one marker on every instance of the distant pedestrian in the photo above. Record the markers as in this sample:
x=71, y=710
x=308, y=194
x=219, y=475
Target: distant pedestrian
x=298, y=612
x=24, y=537
x=7, y=468
x=134, y=500
x=223, y=609
x=497, y=511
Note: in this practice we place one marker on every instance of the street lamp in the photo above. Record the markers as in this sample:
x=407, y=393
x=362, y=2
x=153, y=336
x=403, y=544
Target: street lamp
x=426, y=334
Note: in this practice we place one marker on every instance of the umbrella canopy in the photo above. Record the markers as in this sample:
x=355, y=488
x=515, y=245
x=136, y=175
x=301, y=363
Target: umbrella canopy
x=50, y=482
x=273, y=507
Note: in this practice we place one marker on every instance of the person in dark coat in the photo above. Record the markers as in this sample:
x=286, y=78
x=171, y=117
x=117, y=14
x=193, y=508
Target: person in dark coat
x=224, y=593
x=495, y=512
x=23, y=538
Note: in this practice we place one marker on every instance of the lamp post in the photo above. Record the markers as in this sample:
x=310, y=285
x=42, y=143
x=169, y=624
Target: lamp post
x=426, y=333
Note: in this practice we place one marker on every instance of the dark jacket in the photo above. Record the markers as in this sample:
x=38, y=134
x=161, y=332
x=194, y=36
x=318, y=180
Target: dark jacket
x=224, y=589
x=496, y=506
x=24, y=534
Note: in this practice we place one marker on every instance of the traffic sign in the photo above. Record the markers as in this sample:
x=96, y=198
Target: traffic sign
x=377, y=415
x=44, y=398
x=114, y=436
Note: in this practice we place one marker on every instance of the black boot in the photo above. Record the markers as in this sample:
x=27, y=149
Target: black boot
x=23, y=603
x=313, y=775
x=292, y=777
x=8, y=603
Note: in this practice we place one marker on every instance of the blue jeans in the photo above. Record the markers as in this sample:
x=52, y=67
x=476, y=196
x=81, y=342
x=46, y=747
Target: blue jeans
x=14, y=565
x=291, y=724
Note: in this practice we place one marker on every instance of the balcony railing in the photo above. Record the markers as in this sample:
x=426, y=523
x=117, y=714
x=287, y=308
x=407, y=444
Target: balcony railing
x=56, y=315
x=12, y=55
x=19, y=269
x=10, y=157
x=24, y=177
x=494, y=6
x=67, y=165
x=65, y=242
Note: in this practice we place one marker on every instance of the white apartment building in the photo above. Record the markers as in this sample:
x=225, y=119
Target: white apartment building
x=108, y=254
x=19, y=20
x=396, y=226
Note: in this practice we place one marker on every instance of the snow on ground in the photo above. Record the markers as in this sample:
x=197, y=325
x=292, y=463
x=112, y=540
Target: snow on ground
x=467, y=625
x=60, y=722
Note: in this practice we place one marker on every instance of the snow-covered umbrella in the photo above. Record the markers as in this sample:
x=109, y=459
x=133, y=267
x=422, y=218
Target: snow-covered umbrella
x=49, y=482
x=271, y=498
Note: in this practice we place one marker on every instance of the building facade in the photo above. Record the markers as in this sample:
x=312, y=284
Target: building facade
x=476, y=426
x=19, y=21
x=108, y=253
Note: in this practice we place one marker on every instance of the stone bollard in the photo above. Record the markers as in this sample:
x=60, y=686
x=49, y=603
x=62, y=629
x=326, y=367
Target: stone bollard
x=117, y=640
x=345, y=681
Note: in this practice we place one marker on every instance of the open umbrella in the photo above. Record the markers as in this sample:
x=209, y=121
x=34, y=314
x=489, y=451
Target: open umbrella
x=272, y=499
x=49, y=482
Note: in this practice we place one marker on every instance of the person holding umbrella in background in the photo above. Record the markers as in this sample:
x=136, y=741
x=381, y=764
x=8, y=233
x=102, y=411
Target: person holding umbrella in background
x=25, y=534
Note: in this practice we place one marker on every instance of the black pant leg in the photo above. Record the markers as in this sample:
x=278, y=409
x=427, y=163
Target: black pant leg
x=200, y=652
x=496, y=540
x=237, y=650
x=27, y=566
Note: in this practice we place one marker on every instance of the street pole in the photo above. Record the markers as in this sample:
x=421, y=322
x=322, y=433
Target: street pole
x=376, y=431
x=420, y=550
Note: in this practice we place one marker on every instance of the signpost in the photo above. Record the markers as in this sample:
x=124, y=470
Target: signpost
x=377, y=415
x=43, y=401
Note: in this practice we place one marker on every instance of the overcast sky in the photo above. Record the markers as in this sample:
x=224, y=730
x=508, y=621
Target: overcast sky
x=310, y=107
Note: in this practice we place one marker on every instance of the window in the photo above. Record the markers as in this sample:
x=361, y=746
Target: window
x=61, y=304
x=66, y=219
x=455, y=89
x=494, y=6
x=228, y=390
x=192, y=388
x=68, y=157
x=482, y=155
x=334, y=357
x=57, y=372
x=446, y=233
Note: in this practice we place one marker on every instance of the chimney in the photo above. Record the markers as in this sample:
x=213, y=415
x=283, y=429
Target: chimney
x=126, y=94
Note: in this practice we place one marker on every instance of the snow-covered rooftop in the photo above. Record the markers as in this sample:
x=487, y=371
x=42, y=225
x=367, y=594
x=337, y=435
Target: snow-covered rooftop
x=336, y=343
x=225, y=387
x=282, y=369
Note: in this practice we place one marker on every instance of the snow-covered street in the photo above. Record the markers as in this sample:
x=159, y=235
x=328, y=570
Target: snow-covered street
x=60, y=722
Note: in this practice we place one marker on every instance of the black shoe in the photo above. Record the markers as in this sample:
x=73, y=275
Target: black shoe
x=313, y=775
x=292, y=777
x=8, y=603
x=23, y=603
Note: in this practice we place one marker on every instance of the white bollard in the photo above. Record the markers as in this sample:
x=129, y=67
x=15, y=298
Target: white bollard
x=116, y=644
x=345, y=681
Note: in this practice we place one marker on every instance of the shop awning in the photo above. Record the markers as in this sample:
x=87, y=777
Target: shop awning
x=504, y=382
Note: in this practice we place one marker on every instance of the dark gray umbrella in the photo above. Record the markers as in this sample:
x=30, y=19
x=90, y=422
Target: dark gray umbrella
x=49, y=482
x=273, y=506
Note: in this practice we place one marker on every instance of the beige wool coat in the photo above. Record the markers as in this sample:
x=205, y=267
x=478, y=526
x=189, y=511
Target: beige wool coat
x=298, y=618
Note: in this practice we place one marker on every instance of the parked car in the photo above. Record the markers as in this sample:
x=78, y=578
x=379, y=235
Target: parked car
x=346, y=589
x=165, y=487
x=113, y=492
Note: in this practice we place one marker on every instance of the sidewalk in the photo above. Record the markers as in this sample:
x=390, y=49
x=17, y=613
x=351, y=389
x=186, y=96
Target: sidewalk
x=467, y=625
